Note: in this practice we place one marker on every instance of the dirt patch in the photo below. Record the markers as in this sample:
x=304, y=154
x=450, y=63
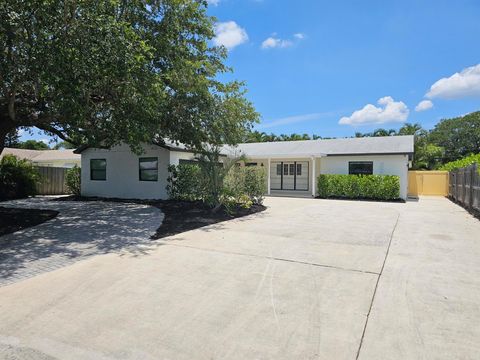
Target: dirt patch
x=180, y=216
x=14, y=219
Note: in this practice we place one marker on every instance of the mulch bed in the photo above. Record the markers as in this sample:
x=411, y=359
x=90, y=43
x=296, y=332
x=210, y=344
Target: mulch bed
x=183, y=216
x=180, y=216
x=14, y=219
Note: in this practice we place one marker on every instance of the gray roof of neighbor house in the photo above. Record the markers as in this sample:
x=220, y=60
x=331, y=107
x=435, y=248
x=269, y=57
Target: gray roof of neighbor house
x=328, y=147
x=41, y=155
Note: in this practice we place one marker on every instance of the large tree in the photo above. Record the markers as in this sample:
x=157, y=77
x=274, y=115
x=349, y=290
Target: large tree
x=103, y=72
x=458, y=136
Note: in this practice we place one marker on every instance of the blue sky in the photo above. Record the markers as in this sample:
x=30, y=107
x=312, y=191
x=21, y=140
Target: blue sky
x=310, y=64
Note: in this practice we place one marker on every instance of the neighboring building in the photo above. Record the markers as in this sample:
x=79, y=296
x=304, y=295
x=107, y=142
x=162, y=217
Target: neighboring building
x=292, y=166
x=49, y=158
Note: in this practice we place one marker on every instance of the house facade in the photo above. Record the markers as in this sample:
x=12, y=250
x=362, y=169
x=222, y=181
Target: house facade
x=292, y=166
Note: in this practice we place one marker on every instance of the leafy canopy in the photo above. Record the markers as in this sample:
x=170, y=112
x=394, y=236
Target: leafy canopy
x=103, y=72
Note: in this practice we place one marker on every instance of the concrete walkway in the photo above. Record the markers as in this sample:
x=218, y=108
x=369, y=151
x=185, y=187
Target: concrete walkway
x=306, y=279
x=81, y=230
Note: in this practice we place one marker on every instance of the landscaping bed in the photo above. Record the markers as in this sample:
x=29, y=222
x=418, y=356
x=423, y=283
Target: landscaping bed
x=183, y=216
x=179, y=216
x=14, y=219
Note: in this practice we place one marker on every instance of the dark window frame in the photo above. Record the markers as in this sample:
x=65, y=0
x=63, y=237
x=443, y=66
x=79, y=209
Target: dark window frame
x=367, y=171
x=140, y=170
x=96, y=170
x=299, y=169
x=247, y=164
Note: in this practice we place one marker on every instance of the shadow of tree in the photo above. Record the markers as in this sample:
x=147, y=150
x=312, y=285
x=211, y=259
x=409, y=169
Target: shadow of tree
x=82, y=229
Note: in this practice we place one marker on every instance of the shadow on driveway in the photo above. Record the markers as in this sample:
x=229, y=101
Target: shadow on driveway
x=82, y=229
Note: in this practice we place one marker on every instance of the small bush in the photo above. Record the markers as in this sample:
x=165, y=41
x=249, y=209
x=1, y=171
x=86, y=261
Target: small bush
x=18, y=178
x=377, y=187
x=185, y=182
x=73, y=180
x=457, y=164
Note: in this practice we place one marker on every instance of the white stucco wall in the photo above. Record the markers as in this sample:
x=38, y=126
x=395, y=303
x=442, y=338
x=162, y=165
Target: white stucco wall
x=176, y=156
x=123, y=173
x=382, y=165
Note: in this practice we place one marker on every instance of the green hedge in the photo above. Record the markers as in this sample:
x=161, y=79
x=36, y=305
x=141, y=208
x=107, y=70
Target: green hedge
x=377, y=187
x=73, y=179
x=185, y=182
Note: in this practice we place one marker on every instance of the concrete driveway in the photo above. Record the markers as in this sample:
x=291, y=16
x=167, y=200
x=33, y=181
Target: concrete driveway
x=306, y=279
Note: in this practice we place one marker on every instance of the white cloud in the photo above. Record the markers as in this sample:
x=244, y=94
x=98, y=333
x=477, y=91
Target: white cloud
x=462, y=84
x=229, y=34
x=273, y=42
x=213, y=2
x=424, y=105
x=388, y=111
x=45, y=141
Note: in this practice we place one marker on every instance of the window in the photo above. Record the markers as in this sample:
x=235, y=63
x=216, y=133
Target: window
x=148, y=169
x=360, y=167
x=251, y=164
x=299, y=169
x=292, y=169
x=279, y=169
x=98, y=169
x=285, y=169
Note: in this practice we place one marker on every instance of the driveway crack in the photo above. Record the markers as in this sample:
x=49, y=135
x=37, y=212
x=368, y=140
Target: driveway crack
x=376, y=287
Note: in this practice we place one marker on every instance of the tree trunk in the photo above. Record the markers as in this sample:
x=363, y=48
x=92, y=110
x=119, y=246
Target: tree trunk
x=4, y=130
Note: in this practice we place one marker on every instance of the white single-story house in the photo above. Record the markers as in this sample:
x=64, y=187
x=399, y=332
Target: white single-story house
x=49, y=158
x=292, y=166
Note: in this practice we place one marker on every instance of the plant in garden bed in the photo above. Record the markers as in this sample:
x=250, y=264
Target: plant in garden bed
x=219, y=185
x=73, y=180
x=18, y=178
x=375, y=187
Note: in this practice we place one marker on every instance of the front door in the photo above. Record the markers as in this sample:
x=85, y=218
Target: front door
x=289, y=175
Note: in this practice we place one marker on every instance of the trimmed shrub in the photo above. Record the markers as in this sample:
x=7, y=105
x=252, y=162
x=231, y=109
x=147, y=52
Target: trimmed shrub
x=73, y=180
x=185, y=182
x=376, y=187
x=18, y=178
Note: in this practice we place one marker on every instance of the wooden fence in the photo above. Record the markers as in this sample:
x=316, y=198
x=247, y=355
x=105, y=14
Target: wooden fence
x=465, y=187
x=52, y=182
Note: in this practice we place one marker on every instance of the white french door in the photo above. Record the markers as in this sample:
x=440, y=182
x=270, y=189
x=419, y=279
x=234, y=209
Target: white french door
x=289, y=175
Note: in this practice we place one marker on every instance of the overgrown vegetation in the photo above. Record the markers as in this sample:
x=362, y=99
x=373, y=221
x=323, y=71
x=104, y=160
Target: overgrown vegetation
x=375, y=187
x=73, y=179
x=457, y=164
x=217, y=184
x=18, y=178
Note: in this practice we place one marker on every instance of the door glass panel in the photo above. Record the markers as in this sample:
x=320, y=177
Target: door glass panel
x=279, y=169
x=292, y=169
x=299, y=169
x=285, y=169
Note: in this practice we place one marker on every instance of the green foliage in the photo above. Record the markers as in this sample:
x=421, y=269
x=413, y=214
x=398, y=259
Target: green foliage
x=217, y=184
x=106, y=72
x=377, y=187
x=457, y=164
x=458, y=136
x=18, y=178
x=73, y=180
x=185, y=182
x=247, y=181
x=64, y=145
x=33, y=145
